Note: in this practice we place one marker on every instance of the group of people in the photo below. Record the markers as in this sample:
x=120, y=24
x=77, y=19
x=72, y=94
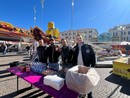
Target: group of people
x=80, y=54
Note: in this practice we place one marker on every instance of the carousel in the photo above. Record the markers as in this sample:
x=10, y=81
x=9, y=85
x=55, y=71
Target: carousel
x=9, y=32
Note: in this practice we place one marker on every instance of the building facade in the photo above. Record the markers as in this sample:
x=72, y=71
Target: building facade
x=120, y=33
x=89, y=35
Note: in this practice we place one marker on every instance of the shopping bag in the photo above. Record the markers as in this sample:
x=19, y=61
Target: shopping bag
x=82, y=82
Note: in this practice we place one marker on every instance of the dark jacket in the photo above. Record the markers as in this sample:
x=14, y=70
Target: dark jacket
x=53, y=54
x=42, y=55
x=127, y=47
x=88, y=55
x=66, y=54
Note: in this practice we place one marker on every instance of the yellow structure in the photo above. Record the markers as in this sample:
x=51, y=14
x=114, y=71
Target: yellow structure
x=53, y=31
x=121, y=68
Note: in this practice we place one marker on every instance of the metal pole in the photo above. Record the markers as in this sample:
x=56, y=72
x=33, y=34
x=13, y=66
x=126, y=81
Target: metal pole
x=42, y=3
x=72, y=14
x=34, y=15
x=17, y=83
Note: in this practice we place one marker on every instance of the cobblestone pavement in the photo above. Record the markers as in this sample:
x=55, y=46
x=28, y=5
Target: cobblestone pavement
x=110, y=86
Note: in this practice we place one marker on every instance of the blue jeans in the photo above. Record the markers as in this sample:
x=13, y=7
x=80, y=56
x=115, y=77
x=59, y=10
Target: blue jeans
x=4, y=52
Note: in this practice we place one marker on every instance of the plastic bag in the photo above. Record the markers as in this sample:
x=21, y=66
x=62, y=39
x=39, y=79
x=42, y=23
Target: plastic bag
x=38, y=67
x=81, y=83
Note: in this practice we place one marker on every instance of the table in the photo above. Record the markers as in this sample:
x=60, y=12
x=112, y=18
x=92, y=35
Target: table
x=36, y=80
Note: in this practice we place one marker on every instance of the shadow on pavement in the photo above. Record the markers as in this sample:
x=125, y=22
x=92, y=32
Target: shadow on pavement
x=36, y=95
x=3, y=74
x=32, y=94
x=14, y=94
x=7, y=75
x=125, y=83
x=26, y=57
x=26, y=60
x=7, y=79
x=4, y=65
x=4, y=71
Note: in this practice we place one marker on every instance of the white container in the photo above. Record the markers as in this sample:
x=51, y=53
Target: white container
x=54, y=81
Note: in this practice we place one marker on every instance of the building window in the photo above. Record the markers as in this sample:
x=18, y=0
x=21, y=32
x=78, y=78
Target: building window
x=90, y=36
x=128, y=32
x=90, y=31
x=121, y=33
x=116, y=33
x=113, y=33
x=124, y=33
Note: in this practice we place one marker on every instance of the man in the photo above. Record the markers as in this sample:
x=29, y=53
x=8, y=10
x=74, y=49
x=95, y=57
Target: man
x=53, y=53
x=28, y=50
x=127, y=48
x=42, y=57
x=4, y=48
x=83, y=54
x=41, y=52
x=66, y=55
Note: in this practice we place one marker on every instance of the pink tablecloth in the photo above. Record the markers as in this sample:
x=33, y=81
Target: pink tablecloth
x=37, y=80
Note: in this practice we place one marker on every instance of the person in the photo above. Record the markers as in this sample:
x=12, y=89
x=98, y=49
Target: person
x=41, y=52
x=127, y=47
x=33, y=49
x=28, y=50
x=53, y=53
x=83, y=54
x=66, y=55
x=4, y=48
x=42, y=55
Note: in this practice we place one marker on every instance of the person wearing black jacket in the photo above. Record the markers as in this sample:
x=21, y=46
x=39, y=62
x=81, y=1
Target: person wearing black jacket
x=66, y=55
x=41, y=52
x=53, y=53
x=42, y=58
x=83, y=54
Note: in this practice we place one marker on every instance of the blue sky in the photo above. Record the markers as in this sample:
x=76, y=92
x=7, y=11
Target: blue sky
x=99, y=14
